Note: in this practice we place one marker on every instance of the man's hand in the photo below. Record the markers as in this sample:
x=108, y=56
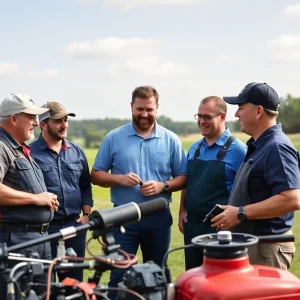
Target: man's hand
x=130, y=179
x=182, y=220
x=227, y=219
x=151, y=188
x=46, y=199
x=83, y=220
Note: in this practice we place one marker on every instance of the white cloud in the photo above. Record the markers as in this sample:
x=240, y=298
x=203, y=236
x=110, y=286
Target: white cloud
x=224, y=59
x=286, y=48
x=146, y=66
x=292, y=56
x=286, y=41
x=7, y=68
x=191, y=83
x=113, y=46
x=48, y=73
x=292, y=10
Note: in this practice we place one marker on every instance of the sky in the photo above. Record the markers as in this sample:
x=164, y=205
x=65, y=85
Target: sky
x=91, y=54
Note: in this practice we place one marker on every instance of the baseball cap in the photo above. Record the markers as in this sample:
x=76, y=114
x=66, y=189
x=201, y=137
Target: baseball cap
x=258, y=94
x=19, y=103
x=55, y=111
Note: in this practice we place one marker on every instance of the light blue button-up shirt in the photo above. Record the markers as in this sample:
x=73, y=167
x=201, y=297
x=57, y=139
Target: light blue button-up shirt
x=158, y=157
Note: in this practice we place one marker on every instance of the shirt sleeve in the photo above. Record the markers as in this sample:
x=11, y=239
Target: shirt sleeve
x=4, y=162
x=191, y=151
x=281, y=168
x=103, y=160
x=239, y=151
x=85, y=183
x=179, y=161
x=236, y=155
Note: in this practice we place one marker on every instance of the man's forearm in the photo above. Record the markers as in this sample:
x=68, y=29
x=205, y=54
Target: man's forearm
x=178, y=183
x=274, y=206
x=86, y=209
x=105, y=179
x=182, y=196
x=9, y=196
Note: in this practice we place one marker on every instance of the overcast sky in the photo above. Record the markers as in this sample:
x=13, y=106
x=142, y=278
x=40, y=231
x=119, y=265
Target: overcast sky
x=90, y=54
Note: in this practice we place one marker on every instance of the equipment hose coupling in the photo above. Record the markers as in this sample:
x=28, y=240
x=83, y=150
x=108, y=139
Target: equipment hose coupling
x=61, y=249
x=10, y=291
x=224, y=237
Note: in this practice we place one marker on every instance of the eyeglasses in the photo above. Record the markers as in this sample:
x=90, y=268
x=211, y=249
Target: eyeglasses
x=206, y=118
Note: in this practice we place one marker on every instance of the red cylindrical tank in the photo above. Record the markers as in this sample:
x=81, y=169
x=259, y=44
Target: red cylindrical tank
x=226, y=276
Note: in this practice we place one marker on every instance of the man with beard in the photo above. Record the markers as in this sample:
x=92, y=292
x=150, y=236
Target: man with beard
x=66, y=174
x=141, y=156
x=23, y=193
x=212, y=165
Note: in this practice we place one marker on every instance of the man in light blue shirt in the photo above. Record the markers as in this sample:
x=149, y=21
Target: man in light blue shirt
x=211, y=168
x=142, y=157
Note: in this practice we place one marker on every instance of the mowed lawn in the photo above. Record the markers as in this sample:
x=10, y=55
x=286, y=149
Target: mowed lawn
x=176, y=259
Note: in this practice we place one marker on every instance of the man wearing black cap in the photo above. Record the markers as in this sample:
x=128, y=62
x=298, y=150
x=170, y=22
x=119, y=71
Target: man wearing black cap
x=266, y=190
x=66, y=174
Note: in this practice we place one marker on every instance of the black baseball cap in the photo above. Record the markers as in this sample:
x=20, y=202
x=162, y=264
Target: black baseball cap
x=258, y=94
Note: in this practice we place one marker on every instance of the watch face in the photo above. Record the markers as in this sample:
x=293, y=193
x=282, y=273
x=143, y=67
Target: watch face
x=166, y=186
x=242, y=216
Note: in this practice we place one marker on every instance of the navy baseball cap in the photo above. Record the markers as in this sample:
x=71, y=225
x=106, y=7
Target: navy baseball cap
x=258, y=94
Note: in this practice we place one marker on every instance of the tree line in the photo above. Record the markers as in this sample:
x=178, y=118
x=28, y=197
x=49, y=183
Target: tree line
x=93, y=131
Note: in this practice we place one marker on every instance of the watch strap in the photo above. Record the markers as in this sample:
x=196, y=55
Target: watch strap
x=88, y=214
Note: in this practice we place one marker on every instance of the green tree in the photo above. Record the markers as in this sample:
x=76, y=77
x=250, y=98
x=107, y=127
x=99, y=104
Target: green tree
x=289, y=114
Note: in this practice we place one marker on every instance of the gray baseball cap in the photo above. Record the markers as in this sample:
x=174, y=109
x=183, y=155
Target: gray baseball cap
x=19, y=103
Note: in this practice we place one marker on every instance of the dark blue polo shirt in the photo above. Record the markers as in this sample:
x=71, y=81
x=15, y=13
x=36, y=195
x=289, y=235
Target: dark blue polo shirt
x=274, y=169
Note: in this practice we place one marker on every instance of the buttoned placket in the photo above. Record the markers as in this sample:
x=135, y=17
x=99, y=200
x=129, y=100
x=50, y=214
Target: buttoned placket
x=143, y=160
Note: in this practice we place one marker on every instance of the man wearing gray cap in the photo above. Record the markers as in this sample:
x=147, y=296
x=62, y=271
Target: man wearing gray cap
x=266, y=190
x=23, y=193
x=67, y=175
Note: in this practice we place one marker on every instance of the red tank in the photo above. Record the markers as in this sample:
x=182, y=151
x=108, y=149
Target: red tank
x=226, y=273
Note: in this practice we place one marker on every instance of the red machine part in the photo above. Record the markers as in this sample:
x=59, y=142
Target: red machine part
x=236, y=279
x=87, y=288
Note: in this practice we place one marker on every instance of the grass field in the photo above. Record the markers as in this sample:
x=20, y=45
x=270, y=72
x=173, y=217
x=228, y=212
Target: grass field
x=176, y=259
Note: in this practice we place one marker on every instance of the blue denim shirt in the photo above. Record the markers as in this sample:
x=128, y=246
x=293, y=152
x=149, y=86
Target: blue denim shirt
x=158, y=157
x=66, y=174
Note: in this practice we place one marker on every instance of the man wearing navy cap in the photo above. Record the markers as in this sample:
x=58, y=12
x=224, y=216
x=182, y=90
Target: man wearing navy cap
x=266, y=190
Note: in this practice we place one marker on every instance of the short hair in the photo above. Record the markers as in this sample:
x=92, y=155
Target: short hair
x=271, y=113
x=4, y=118
x=221, y=106
x=144, y=92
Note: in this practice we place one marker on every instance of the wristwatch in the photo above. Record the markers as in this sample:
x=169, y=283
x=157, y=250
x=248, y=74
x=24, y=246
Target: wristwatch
x=241, y=214
x=89, y=215
x=166, y=186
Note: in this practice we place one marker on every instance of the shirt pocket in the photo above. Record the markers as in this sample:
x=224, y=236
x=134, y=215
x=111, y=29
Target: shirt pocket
x=74, y=172
x=25, y=174
x=50, y=176
x=161, y=162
